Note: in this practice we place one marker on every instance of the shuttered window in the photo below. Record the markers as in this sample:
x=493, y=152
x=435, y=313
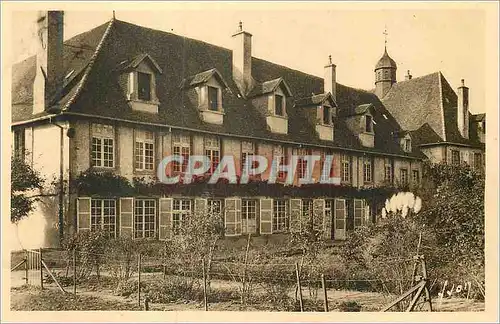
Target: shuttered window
x=180, y=211
x=103, y=216
x=248, y=216
x=280, y=216
x=144, y=218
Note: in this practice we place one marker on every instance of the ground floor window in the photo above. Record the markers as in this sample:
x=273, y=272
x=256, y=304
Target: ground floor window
x=144, y=218
x=280, y=215
x=180, y=210
x=214, y=206
x=248, y=216
x=329, y=210
x=103, y=216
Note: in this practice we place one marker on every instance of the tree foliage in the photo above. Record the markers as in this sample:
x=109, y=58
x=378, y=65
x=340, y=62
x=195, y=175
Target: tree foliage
x=24, y=182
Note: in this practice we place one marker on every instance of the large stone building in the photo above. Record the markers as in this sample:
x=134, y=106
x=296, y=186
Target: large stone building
x=120, y=97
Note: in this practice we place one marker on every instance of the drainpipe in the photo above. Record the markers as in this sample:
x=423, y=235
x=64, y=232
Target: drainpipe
x=61, y=181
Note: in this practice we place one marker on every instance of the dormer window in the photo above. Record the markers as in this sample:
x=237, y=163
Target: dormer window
x=407, y=145
x=144, y=86
x=213, y=98
x=368, y=124
x=327, y=115
x=279, y=105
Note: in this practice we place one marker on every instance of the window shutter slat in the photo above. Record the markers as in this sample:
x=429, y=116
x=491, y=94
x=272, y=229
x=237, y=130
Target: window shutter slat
x=83, y=214
x=295, y=215
x=165, y=218
x=266, y=216
x=232, y=216
x=340, y=219
x=127, y=216
x=319, y=219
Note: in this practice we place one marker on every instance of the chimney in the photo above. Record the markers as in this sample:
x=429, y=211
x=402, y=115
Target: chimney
x=49, y=59
x=463, y=110
x=330, y=80
x=242, y=60
x=408, y=76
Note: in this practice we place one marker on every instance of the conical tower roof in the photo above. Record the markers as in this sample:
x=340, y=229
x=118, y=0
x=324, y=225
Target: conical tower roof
x=385, y=61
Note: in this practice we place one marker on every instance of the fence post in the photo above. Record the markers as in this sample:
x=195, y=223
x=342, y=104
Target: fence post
x=139, y=280
x=205, y=297
x=26, y=269
x=325, y=296
x=74, y=271
x=41, y=269
x=146, y=303
x=297, y=274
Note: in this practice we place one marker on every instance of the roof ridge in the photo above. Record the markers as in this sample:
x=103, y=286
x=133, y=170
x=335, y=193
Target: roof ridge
x=89, y=65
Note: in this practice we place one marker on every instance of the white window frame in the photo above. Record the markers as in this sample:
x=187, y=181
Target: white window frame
x=329, y=121
x=212, y=148
x=346, y=168
x=102, y=133
x=179, y=214
x=281, y=217
x=180, y=144
x=281, y=151
x=101, y=225
x=454, y=153
x=143, y=140
x=388, y=172
x=215, y=205
x=246, y=211
x=367, y=170
x=415, y=180
x=144, y=233
x=404, y=180
x=283, y=105
x=247, y=149
x=219, y=97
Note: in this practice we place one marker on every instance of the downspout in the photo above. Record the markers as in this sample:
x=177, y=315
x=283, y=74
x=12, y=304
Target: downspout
x=61, y=182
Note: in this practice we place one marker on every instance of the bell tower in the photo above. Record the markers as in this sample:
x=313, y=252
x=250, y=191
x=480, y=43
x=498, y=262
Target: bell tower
x=385, y=72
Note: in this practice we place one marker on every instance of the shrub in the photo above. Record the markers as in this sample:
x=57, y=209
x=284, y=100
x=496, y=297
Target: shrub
x=349, y=306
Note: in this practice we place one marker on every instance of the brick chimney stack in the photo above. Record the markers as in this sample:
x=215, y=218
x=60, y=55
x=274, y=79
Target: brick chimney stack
x=242, y=60
x=463, y=110
x=408, y=76
x=330, y=80
x=49, y=59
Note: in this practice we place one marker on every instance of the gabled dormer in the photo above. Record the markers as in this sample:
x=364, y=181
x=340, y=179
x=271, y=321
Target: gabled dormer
x=404, y=140
x=139, y=75
x=208, y=87
x=360, y=121
x=320, y=109
x=270, y=98
x=478, y=125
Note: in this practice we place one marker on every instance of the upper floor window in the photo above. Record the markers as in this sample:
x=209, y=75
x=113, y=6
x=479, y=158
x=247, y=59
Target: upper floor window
x=144, y=86
x=279, y=105
x=326, y=172
x=247, y=149
x=367, y=170
x=283, y=160
x=455, y=157
x=415, y=176
x=404, y=176
x=388, y=173
x=181, y=147
x=345, y=170
x=213, y=98
x=302, y=162
x=19, y=143
x=144, y=150
x=102, y=151
x=407, y=145
x=368, y=124
x=327, y=115
x=212, y=151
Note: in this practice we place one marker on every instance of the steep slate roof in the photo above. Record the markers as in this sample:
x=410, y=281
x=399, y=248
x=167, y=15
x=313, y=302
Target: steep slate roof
x=314, y=99
x=478, y=117
x=203, y=77
x=427, y=100
x=268, y=87
x=180, y=57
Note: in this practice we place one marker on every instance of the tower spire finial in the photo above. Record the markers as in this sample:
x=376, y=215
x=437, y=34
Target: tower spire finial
x=113, y=15
x=385, y=37
x=240, y=25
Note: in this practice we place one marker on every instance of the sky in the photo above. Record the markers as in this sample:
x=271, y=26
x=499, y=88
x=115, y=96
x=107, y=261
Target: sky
x=420, y=38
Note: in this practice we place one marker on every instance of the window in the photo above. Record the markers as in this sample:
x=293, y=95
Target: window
x=182, y=147
x=404, y=176
x=329, y=210
x=302, y=163
x=144, y=86
x=213, y=98
x=328, y=172
x=327, y=115
x=181, y=209
x=19, y=143
x=282, y=153
x=247, y=149
x=367, y=170
x=307, y=208
x=214, y=206
x=248, y=216
x=144, y=150
x=212, y=151
x=407, y=145
x=103, y=216
x=280, y=215
x=388, y=173
x=415, y=177
x=144, y=218
x=278, y=105
x=455, y=157
x=478, y=163
x=102, y=154
x=368, y=123
x=346, y=168
x=359, y=212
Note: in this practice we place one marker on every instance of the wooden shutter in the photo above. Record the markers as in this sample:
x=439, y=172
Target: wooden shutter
x=266, y=216
x=319, y=215
x=200, y=206
x=83, y=214
x=165, y=218
x=295, y=215
x=368, y=219
x=340, y=219
x=127, y=216
x=327, y=229
x=232, y=216
x=359, y=213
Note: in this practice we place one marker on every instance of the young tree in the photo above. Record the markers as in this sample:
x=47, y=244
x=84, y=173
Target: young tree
x=24, y=181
